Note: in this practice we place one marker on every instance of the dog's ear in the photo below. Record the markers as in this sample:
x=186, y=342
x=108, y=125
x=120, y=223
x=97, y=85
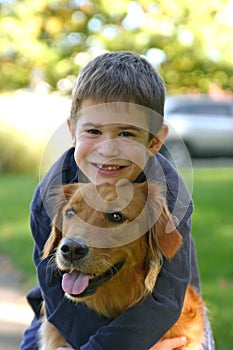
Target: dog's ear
x=55, y=235
x=167, y=238
x=61, y=198
x=163, y=233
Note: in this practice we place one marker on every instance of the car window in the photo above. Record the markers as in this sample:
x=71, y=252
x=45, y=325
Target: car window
x=204, y=109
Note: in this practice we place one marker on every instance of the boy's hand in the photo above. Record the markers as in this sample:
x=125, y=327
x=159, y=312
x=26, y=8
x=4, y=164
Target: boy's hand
x=167, y=344
x=170, y=344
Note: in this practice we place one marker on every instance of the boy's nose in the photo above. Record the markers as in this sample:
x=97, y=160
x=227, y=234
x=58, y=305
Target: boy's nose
x=109, y=148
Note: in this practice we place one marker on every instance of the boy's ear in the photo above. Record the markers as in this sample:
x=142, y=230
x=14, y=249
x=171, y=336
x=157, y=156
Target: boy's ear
x=72, y=131
x=157, y=141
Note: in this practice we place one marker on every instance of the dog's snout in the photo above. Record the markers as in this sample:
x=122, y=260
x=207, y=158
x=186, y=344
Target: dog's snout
x=73, y=249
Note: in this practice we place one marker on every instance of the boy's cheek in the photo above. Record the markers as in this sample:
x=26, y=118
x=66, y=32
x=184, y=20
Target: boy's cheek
x=139, y=155
x=77, y=154
x=134, y=152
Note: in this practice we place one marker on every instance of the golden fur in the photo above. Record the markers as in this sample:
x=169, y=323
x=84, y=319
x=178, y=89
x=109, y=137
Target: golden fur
x=142, y=255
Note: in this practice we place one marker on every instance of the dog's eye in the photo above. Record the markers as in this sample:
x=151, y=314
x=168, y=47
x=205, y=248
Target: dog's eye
x=116, y=217
x=70, y=213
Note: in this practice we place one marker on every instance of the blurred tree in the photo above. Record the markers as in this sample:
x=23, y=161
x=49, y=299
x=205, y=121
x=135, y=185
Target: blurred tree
x=45, y=42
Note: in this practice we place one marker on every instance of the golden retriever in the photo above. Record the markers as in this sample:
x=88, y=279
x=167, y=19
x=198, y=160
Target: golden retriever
x=109, y=244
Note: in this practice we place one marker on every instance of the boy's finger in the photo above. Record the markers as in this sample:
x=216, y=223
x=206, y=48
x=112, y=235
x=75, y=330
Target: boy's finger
x=170, y=344
x=175, y=342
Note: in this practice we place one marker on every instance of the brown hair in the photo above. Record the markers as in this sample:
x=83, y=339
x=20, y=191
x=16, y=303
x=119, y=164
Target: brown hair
x=119, y=77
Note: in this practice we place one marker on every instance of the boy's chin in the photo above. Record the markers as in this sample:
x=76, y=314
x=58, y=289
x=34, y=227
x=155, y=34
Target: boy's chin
x=102, y=181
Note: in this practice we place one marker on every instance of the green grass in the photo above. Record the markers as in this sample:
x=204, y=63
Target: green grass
x=15, y=238
x=212, y=232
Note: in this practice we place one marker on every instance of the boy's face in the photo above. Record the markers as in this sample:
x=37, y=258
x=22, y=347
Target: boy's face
x=113, y=145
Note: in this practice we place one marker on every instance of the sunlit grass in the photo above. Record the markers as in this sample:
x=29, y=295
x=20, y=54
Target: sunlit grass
x=212, y=232
x=15, y=239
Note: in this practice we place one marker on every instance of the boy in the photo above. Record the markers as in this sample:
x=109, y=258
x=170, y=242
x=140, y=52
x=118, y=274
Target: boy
x=110, y=144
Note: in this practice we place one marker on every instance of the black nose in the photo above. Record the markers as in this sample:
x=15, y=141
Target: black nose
x=73, y=249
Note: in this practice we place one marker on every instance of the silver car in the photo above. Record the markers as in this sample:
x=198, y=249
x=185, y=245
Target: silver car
x=202, y=124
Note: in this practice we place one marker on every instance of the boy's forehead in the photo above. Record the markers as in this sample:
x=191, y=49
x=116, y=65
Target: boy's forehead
x=121, y=113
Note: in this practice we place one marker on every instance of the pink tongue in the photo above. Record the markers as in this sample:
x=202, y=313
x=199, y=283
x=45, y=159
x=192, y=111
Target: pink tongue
x=74, y=282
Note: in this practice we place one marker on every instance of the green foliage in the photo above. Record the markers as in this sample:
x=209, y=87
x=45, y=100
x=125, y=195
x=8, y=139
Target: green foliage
x=16, y=156
x=49, y=40
x=212, y=232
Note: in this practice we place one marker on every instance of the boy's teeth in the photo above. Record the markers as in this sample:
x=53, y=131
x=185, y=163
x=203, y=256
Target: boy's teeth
x=108, y=167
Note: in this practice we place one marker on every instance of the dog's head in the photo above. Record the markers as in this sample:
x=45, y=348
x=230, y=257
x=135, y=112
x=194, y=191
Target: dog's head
x=110, y=240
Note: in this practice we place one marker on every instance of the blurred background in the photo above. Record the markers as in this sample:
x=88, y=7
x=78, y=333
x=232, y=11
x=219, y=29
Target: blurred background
x=43, y=45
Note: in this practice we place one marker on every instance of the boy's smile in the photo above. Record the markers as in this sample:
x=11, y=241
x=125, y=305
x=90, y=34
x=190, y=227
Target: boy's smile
x=109, y=169
x=111, y=146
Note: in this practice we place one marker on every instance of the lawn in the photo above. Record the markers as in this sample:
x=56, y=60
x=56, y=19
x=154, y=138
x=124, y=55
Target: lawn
x=212, y=232
x=15, y=239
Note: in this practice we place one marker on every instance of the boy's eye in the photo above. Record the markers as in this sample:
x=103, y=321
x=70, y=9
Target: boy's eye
x=94, y=131
x=126, y=134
